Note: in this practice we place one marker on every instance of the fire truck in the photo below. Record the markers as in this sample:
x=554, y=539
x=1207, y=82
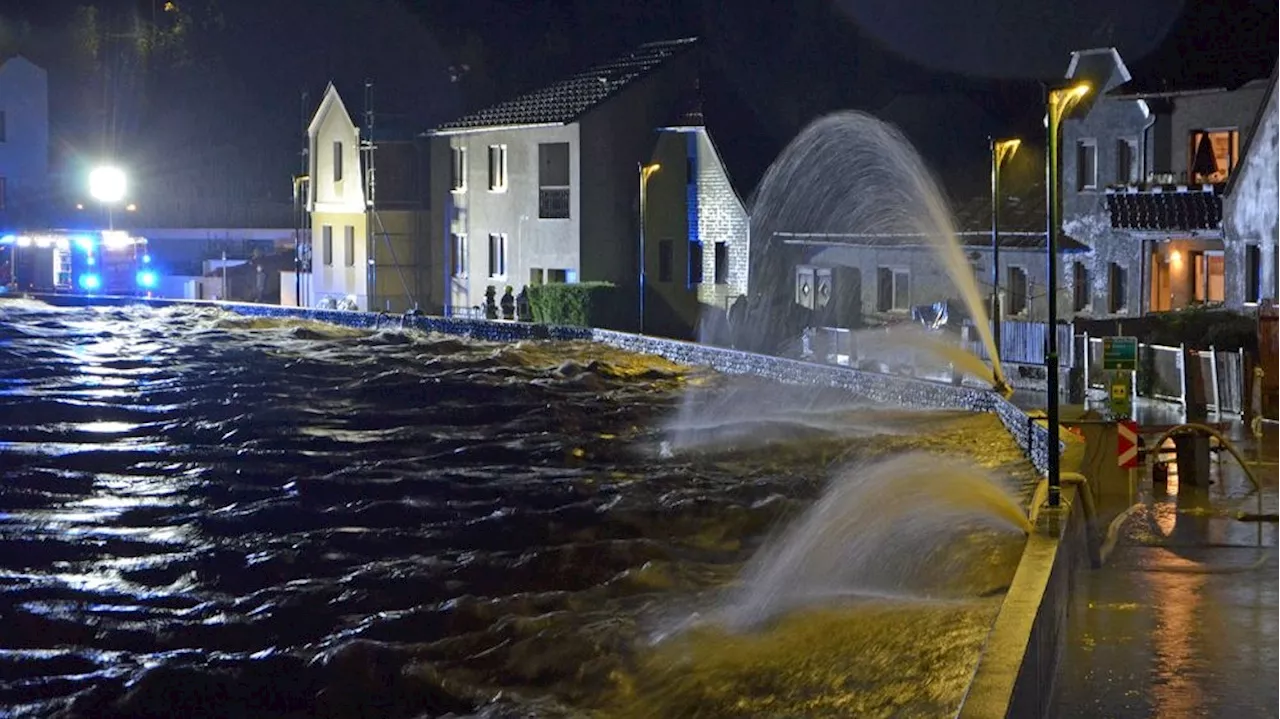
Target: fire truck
x=107, y=262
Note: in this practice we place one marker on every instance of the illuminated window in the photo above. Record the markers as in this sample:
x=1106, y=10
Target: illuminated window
x=497, y=168
x=1213, y=155
x=1209, y=282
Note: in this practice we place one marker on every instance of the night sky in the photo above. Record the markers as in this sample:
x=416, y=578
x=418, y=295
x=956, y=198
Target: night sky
x=949, y=72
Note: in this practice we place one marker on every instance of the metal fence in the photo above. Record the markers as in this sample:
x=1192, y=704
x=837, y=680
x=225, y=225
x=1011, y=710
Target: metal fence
x=1216, y=378
x=1025, y=343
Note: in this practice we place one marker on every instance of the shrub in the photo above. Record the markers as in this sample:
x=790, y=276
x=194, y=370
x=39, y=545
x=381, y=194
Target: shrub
x=583, y=304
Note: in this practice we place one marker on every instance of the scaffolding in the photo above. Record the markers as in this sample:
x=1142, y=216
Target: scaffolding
x=373, y=224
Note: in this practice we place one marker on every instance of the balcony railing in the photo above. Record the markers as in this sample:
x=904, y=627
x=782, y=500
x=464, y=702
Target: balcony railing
x=553, y=203
x=1165, y=207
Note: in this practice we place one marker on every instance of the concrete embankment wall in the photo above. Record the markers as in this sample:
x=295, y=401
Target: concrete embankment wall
x=1015, y=674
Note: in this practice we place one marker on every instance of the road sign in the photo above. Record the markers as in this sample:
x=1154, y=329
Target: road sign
x=1120, y=353
x=1127, y=444
x=1121, y=402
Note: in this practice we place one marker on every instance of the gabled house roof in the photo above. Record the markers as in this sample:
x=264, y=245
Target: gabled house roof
x=564, y=102
x=332, y=100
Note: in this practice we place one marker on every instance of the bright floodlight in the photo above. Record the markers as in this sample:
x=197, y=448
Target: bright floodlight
x=107, y=184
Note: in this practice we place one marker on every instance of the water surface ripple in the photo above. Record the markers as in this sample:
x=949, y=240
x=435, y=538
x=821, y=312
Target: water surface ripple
x=210, y=515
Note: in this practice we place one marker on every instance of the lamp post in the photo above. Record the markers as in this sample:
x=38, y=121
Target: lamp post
x=646, y=171
x=1000, y=151
x=1059, y=101
x=107, y=185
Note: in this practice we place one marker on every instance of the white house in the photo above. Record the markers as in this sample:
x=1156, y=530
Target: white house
x=368, y=241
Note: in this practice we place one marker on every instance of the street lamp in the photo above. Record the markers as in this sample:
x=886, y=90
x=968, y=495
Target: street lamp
x=1000, y=151
x=107, y=185
x=1060, y=100
x=646, y=171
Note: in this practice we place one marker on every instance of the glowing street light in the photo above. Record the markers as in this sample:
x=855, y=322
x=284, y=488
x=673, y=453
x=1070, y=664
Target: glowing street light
x=646, y=171
x=108, y=185
x=1000, y=151
x=1060, y=101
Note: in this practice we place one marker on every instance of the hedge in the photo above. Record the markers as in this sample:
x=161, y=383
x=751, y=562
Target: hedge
x=583, y=304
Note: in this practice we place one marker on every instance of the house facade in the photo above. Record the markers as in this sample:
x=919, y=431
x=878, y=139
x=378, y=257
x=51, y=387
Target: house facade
x=369, y=225
x=24, y=141
x=1250, y=209
x=1144, y=174
x=547, y=188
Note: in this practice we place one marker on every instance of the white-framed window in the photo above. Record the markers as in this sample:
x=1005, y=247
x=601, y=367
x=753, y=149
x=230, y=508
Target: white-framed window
x=337, y=161
x=326, y=245
x=349, y=246
x=497, y=168
x=893, y=289
x=1126, y=161
x=458, y=169
x=1213, y=155
x=459, y=256
x=1087, y=165
x=498, y=255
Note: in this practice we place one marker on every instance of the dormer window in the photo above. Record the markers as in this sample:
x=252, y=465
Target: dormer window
x=337, y=161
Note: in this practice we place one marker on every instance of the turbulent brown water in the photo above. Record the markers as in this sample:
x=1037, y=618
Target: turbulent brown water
x=205, y=515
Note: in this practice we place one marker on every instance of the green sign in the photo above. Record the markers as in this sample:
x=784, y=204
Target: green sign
x=1120, y=353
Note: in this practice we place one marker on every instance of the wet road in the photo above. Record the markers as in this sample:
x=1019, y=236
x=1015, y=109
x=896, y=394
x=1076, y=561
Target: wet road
x=1182, y=621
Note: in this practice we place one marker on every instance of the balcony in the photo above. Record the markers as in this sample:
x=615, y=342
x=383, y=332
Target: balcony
x=553, y=203
x=1165, y=207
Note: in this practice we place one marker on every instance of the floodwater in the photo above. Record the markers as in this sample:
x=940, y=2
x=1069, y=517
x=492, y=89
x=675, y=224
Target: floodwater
x=207, y=515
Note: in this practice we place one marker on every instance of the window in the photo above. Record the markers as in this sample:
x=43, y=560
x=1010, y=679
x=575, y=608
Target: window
x=557, y=276
x=893, y=289
x=535, y=276
x=722, y=263
x=695, y=262
x=1118, y=288
x=553, y=180
x=1079, y=287
x=349, y=246
x=497, y=168
x=690, y=170
x=337, y=161
x=4, y=193
x=497, y=256
x=459, y=257
x=1208, y=284
x=1016, y=291
x=1126, y=162
x=4, y=127
x=1252, y=273
x=1213, y=155
x=458, y=169
x=1086, y=165
x=666, y=259
x=326, y=245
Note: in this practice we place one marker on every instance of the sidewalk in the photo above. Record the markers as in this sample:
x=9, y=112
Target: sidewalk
x=1182, y=620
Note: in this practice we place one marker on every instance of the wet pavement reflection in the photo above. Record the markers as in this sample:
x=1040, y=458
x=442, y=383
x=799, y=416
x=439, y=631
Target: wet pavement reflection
x=1182, y=621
